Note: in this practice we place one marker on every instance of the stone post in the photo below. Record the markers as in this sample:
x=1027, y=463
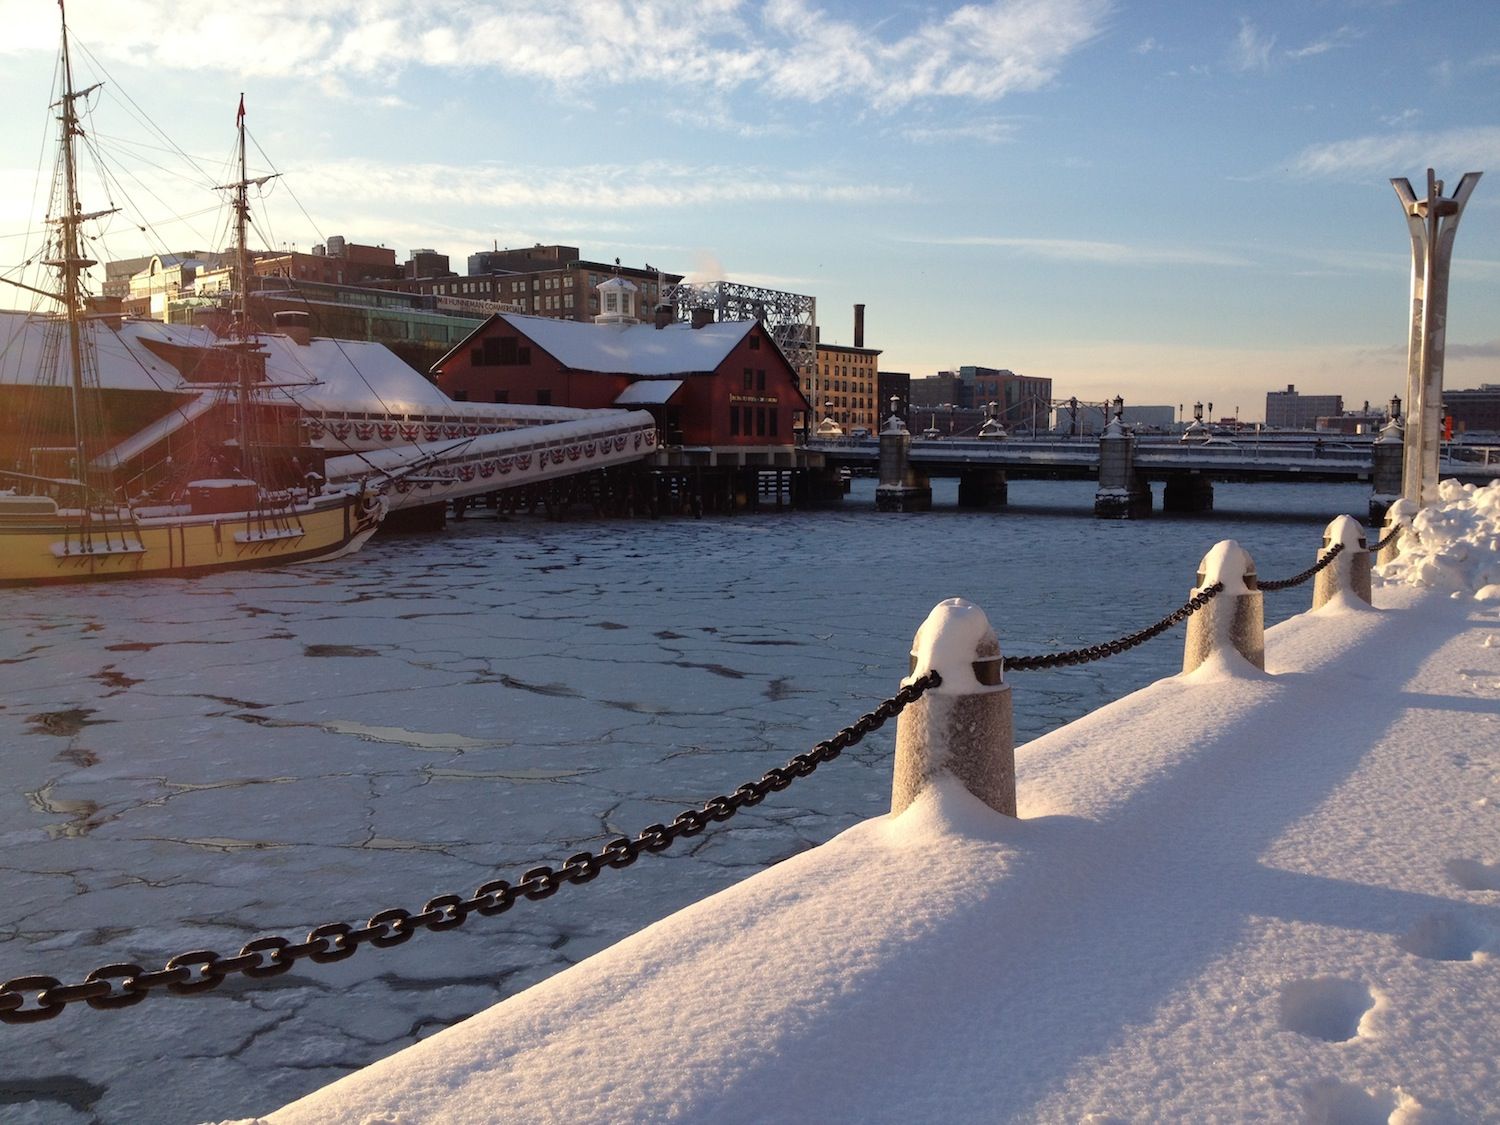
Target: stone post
x=1351, y=570
x=1233, y=620
x=1399, y=514
x=1122, y=495
x=1385, y=470
x=964, y=727
x=1432, y=223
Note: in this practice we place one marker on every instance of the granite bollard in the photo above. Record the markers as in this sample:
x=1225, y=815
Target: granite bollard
x=1233, y=620
x=964, y=726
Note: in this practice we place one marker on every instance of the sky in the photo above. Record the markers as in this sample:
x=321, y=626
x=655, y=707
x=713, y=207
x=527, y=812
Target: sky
x=1169, y=201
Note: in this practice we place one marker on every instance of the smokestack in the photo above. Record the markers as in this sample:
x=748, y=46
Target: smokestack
x=859, y=326
x=702, y=317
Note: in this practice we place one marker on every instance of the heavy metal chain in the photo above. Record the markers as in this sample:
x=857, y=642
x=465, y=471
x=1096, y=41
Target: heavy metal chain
x=121, y=985
x=1298, y=579
x=1112, y=648
x=1390, y=535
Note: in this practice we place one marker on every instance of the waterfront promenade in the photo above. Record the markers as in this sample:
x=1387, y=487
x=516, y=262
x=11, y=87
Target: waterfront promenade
x=197, y=763
x=1231, y=896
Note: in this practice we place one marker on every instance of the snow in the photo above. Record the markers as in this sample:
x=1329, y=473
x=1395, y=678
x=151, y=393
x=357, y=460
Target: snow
x=636, y=349
x=648, y=392
x=1458, y=542
x=954, y=636
x=1231, y=895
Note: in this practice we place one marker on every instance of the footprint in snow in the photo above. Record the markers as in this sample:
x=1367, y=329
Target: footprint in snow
x=1331, y=1102
x=1444, y=937
x=1329, y=1008
x=1474, y=875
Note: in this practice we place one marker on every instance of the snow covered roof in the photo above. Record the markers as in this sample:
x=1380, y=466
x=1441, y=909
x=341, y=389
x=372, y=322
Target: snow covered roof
x=634, y=349
x=324, y=371
x=648, y=392
x=1231, y=896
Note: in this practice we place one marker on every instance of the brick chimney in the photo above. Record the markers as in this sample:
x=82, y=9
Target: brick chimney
x=702, y=317
x=295, y=324
x=664, y=315
x=109, y=310
x=859, y=326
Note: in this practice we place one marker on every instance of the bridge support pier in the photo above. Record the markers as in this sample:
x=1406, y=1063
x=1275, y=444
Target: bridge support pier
x=901, y=489
x=1123, y=494
x=1388, y=452
x=1187, y=492
x=983, y=488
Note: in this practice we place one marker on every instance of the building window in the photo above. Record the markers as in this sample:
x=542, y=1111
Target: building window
x=755, y=341
x=749, y=380
x=502, y=396
x=760, y=421
x=544, y=397
x=773, y=412
x=460, y=396
x=734, y=421
x=760, y=380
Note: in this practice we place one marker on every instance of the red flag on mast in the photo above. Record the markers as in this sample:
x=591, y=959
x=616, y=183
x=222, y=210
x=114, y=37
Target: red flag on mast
x=240, y=116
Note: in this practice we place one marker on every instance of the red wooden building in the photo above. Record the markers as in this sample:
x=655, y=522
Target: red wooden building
x=720, y=385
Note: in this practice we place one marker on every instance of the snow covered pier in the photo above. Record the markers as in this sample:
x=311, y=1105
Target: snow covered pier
x=1238, y=894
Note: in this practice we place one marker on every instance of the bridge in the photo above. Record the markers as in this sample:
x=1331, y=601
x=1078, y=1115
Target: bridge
x=1187, y=469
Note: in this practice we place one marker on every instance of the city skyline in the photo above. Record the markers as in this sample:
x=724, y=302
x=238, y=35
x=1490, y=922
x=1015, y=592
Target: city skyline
x=1166, y=201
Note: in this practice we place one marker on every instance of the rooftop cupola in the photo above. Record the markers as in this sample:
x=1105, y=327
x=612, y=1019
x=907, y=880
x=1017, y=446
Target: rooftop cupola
x=617, y=302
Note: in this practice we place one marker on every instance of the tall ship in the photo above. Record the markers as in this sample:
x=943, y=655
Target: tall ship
x=224, y=480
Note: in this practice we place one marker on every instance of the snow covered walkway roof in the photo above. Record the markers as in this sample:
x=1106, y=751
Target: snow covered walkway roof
x=1231, y=896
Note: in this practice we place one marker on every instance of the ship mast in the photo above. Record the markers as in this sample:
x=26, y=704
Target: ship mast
x=70, y=261
x=241, y=188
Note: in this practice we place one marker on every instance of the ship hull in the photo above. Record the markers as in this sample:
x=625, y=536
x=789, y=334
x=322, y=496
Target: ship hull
x=45, y=549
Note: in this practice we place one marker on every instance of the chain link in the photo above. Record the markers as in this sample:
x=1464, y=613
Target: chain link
x=1298, y=579
x=1386, y=542
x=31, y=999
x=1113, y=648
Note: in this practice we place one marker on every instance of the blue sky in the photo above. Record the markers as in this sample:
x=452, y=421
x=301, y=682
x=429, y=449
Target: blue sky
x=1165, y=200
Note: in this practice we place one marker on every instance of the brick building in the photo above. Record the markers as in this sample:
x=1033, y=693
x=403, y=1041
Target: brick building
x=709, y=384
x=1288, y=410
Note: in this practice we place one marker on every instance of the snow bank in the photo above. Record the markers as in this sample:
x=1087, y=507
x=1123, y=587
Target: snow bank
x=1458, y=543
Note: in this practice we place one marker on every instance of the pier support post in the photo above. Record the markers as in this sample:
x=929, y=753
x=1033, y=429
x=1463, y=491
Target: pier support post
x=1385, y=474
x=1399, y=514
x=900, y=488
x=984, y=487
x=1233, y=621
x=1351, y=570
x=1187, y=492
x=965, y=726
x=1122, y=494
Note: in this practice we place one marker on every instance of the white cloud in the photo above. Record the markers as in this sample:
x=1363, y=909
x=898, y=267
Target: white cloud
x=1454, y=150
x=1101, y=253
x=990, y=131
x=1251, y=50
x=1338, y=38
x=786, y=48
x=588, y=188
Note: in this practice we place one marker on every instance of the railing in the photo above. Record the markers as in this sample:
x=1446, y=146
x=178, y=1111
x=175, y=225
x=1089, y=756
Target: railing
x=960, y=724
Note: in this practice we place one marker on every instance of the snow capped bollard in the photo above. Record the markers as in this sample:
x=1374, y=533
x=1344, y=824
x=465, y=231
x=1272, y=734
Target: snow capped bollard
x=1351, y=570
x=964, y=726
x=1397, y=529
x=1235, y=619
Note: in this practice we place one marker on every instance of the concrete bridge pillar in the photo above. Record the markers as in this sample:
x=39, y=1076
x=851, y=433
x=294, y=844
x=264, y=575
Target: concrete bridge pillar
x=965, y=726
x=1122, y=494
x=1351, y=570
x=984, y=487
x=1235, y=620
x=1187, y=492
x=1388, y=451
x=901, y=489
